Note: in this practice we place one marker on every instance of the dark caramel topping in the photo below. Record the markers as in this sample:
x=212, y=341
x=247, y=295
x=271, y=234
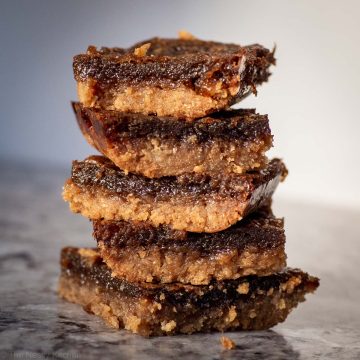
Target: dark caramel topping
x=96, y=272
x=194, y=63
x=260, y=230
x=235, y=125
x=98, y=171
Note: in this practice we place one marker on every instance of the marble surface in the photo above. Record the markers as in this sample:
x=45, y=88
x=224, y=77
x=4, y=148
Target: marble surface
x=35, y=324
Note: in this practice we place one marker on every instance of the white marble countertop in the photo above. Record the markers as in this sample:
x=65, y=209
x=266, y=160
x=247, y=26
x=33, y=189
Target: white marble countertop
x=35, y=324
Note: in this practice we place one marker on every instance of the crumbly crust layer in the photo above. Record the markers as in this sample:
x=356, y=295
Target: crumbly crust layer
x=178, y=77
x=229, y=142
x=250, y=303
x=99, y=190
x=157, y=265
x=181, y=102
x=139, y=252
x=180, y=215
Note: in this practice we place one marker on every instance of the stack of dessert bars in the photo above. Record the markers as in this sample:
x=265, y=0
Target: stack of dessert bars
x=181, y=200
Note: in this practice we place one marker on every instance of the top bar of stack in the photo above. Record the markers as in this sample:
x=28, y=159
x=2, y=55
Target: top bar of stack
x=186, y=78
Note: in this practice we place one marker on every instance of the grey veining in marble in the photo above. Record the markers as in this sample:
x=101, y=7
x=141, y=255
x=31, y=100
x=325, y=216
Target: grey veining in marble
x=35, y=324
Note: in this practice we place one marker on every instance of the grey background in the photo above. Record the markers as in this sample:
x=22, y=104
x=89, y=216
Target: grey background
x=312, y=98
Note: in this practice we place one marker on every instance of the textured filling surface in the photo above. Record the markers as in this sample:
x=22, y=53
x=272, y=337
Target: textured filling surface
x=183, y=78
x=140, y=252
x=249, y=303
x=229, y=142
x=193, y=202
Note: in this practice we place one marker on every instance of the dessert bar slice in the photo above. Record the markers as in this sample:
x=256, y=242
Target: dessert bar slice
x=184, y=78
x=228, y=142
x=139, y=252
x=193, y=202
x=248, y=303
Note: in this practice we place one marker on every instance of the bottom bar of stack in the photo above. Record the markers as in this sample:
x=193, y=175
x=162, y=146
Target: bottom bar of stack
x=247, y=303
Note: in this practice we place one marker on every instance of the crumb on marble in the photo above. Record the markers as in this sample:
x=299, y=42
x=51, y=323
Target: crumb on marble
x=227, y=343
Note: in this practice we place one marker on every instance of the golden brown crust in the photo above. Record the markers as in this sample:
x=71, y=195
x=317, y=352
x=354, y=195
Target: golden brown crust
x=201, y=217
x=191, y=267
x=182, y=102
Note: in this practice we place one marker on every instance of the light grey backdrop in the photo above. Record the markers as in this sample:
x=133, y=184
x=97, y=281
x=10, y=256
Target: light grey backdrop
x=312, y=98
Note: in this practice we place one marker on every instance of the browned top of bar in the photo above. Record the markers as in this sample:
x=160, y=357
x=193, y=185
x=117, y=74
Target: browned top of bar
x=194, y=63
x=92, y=269
x=260, y=230
x=234, y=125
x=99, y=171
